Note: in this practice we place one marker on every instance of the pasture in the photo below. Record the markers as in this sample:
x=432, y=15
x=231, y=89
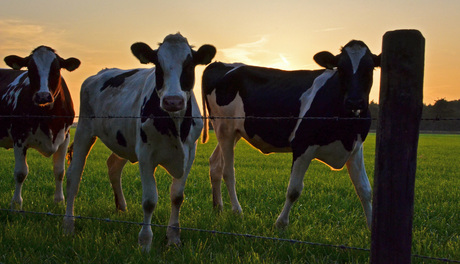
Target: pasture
x=328, y=212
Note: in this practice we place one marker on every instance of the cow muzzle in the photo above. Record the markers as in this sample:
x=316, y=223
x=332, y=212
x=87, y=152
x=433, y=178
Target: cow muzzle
x=173, y=103
x=355, y=105
x=43, y=98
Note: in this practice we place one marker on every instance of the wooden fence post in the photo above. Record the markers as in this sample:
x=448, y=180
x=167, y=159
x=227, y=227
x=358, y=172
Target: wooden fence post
x=401, y=94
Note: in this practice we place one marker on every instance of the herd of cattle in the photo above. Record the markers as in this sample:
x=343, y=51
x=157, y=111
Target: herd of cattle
x=314, y=114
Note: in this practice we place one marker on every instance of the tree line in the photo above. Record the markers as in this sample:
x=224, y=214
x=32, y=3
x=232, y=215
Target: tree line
x=442, y=116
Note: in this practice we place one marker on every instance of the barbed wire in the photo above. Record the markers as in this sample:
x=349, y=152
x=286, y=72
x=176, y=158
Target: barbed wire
x=294, y=241
x=336, y=118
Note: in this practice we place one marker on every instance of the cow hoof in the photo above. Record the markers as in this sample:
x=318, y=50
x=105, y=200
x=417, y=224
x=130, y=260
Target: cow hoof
x=281, y=224
x=173, y=235
x=16, y=205
x=59, y=199
x=122, y=208
x=237, y=210
x=68, y=225
x=145, y=238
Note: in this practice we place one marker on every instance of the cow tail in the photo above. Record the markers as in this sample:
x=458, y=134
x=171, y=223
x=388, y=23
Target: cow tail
x=69, y=153
x=205, y=134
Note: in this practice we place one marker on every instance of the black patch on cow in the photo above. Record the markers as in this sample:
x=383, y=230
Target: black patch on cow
x=187, y=122
x=161, y=119
x=121, y=139
x=143, y=136
x=187, y=77
x=265, y=93
x=118, y=80
x=328, y=102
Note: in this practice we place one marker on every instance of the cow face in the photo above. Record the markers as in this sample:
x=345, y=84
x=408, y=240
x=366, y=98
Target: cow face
x=44, y=67
x=175, y=63
x=355, y=65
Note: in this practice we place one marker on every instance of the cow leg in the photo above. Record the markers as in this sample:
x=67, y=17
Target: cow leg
x=20, y=173
x=81, y=147
x=149, y=200
x=358, y=176
x=115, y=166
x=177, y=197
x=298, y=170
x=228, y=152
x=215, y=173
x=59, y=169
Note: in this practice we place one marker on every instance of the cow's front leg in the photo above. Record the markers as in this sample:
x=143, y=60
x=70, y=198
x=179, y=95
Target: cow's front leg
x=177, y=197
x=358, y=176
x=149, y=202
x=59, y=169
x=115, y=166
x=20, y=173
x=299, y=167
x=82, y=145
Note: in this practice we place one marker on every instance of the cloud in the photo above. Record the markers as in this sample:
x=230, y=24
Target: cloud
x=22, y=36
x=246, y=52
x=328, y=29
x=256, y=53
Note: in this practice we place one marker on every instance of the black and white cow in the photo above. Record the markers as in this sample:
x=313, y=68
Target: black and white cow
x=341, y=90
x=41, y=93
x=165, y=134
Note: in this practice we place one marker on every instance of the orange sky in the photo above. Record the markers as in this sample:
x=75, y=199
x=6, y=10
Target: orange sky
x=282, y=34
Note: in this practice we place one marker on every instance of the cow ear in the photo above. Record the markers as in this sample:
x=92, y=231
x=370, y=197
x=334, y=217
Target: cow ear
x=376, y=59
x=70, y=64
x=204, y=55
x=144, y=53
x=16, y=62
x=326, y=59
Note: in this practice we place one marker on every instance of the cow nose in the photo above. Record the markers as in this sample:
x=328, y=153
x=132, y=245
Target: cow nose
x=173, y=103
x=43, y=98
x=354, y=104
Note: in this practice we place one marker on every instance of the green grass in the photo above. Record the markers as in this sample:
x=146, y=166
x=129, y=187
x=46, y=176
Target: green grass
x=328, y=211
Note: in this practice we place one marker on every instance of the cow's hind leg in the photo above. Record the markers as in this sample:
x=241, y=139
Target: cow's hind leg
x=59, y=169
x=20, y=174
x=358, y=176
x=215, y=173
x=228, y=152
x=115, y=166
x=298, y=170
x=81, y=147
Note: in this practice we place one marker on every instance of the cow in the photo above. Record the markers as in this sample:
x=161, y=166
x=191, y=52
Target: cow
x=36, y=111
x=164, y=134
x=314, y=114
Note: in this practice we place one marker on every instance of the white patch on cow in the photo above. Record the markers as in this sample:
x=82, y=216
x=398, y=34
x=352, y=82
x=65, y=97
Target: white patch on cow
x=43, y=143
x=309, y=95
x=12, y=94
x=43, y=59
x=234, y=65
x=355, y=53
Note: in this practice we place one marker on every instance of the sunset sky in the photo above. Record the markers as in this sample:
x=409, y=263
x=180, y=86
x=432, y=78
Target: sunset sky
x=281, y=34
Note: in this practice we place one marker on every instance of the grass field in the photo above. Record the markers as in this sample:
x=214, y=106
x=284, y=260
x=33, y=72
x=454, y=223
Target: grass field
x=328, y=212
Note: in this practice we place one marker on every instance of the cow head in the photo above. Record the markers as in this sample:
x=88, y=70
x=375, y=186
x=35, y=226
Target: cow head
x=175, y=63
x=44, y=70
x=355, y=65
